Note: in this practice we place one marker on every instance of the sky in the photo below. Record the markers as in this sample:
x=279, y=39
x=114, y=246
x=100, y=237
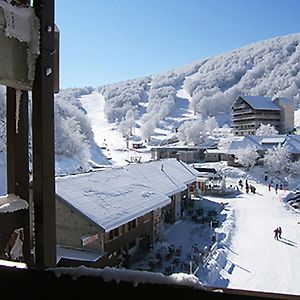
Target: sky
x=104, y=42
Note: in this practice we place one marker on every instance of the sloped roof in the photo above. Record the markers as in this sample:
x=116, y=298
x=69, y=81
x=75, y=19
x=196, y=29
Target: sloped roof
x=273, y=140
x=285, y=100
x=293, y=143
x=166, y=176
x=246, y=142
x=260, y=142
x=260, y=102
x=108, y=198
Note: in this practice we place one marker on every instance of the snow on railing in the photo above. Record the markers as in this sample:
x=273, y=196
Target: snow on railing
x=11, y=203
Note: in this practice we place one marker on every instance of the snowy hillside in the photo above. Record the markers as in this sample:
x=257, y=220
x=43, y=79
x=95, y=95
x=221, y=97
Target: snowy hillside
x=172, y=104
x=207, y=87
x=75, y=148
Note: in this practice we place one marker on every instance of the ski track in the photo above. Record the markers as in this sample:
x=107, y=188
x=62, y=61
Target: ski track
x=259, y=262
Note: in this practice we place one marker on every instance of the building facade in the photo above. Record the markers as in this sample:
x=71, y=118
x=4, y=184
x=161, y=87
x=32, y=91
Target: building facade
x=249, y=112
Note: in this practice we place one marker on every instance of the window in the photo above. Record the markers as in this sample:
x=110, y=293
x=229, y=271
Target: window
x=131, y=224
x=114, y=233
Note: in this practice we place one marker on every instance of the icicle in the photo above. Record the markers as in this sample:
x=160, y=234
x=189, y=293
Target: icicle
x=18, y=103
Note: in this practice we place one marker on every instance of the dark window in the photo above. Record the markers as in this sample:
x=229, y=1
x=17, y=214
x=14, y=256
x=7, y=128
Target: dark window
x=131, y=224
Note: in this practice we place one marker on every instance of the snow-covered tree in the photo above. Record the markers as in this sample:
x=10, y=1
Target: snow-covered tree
x=277, y=160
x=210, y=124
x=192, y=131
x=266, y=129
x=147, y=130
x=126, y=126
x=247, y=157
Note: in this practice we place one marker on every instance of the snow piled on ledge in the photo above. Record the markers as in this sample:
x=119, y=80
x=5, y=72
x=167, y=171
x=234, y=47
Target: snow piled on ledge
x=136, y=277
x=23, y=25
x=11, y=203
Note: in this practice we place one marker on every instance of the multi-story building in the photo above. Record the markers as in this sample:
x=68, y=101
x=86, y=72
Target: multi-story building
x=249, y=112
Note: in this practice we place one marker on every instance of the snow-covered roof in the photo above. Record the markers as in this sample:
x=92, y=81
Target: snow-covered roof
x=260, y=102
x=292, y=142
x=246, y=142
x=273, y=140
x=285, y=100
x=166, y=176
x=78, y=254
x=109, y=198
x=213, y=151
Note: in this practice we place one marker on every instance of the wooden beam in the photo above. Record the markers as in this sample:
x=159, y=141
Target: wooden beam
x=17, y=155
x=43, y=140
x=11, y=139
x=13, y=60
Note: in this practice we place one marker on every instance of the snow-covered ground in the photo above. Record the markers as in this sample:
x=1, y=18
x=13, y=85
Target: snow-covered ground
x=106, y=134
x=246, y=255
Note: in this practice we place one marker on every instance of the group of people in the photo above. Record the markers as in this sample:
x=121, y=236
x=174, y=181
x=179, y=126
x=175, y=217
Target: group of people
x=247, y=186
x=277, y=233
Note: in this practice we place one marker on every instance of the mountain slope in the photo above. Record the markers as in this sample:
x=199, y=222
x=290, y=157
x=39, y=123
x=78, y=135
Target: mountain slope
x=208, y=87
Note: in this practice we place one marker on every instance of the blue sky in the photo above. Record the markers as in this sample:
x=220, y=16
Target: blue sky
x=105, y=41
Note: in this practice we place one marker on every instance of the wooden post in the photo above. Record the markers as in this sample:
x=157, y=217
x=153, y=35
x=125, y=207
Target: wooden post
x=43, y=140
x=17, y=154
x=10, y=139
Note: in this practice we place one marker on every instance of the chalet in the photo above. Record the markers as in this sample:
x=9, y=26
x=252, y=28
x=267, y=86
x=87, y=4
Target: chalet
x=249, y=112
x=104, y=217
x=170, y=177
x=214, y=155
x=188, y=154
x=263, y=143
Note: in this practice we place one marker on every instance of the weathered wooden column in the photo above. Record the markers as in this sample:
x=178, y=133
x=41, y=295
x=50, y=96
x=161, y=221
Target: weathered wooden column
x=17, y=153
x=43, y=140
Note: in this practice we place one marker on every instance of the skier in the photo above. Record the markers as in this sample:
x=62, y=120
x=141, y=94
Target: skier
x=279, y=232
x=276, y=232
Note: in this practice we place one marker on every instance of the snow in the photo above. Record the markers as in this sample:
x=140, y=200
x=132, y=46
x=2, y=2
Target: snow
x=260, y=102
x=12, y=264
x=246, y=255
x=64, y=252
x=11, y=203
x=109, y=198
x=167, y=176
x=106, y=134
x=22, y=24
x=133, y=276
x=273, y=140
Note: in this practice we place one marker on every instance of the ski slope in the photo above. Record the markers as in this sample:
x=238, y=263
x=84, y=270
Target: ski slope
x=106, y=135
x=254, y=259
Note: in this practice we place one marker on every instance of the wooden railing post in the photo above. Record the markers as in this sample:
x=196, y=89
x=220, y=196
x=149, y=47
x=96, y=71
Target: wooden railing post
x=43, y=140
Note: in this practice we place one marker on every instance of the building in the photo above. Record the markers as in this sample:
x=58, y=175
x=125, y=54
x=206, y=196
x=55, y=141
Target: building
x=188, y=154
x=170, y=177
x=249, y=112
x=114, y=216
x=263, y=143
x=286, y=114
x=103, y=215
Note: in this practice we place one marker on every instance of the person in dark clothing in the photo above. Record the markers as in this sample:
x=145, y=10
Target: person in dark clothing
x=276, y=232
x=279, y=232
